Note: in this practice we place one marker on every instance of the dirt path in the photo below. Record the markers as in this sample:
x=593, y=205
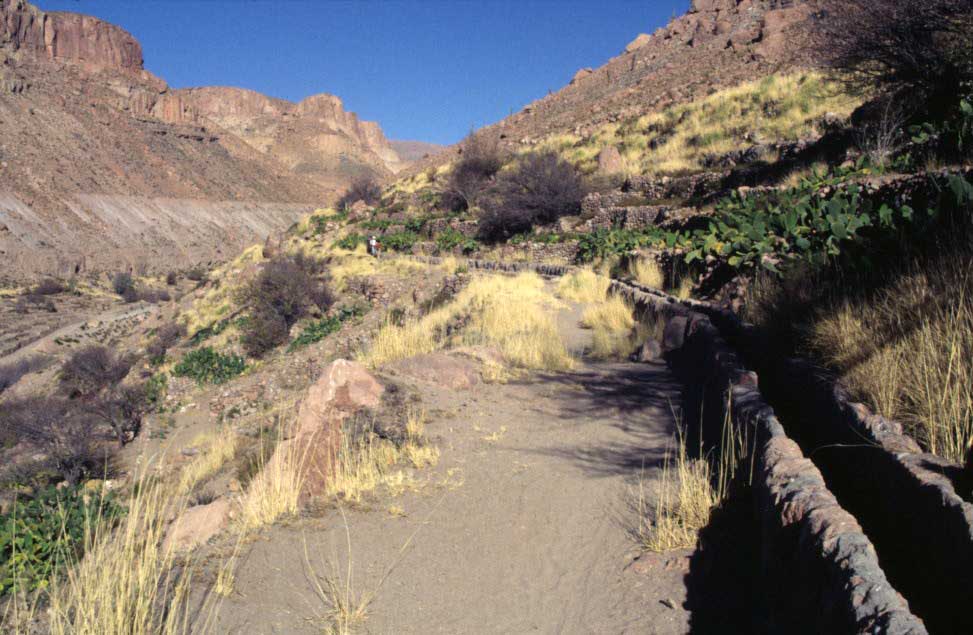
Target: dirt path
x=523, y=527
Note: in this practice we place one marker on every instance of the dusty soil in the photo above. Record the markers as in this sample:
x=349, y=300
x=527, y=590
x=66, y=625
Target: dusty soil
x=525, y=525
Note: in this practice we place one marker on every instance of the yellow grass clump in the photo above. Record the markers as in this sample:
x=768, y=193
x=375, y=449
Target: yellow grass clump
x=511, y=313
x=126, y=583
x=218, y=449
x=276, y=490
x=583, y=285
x=613, y=327
x=646, y=272
x=908, y=352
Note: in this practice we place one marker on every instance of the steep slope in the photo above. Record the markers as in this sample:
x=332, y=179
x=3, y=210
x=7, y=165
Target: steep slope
x=414, y=150
x=717, y=44
x=103, y=167
x=316, y=137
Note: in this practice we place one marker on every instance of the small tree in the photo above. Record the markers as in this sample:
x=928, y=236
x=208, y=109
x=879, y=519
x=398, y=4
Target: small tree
x=917, y=49
x=540, y=189
x=121, y=408
x=282, y=293
x=92, y=369
x=480, y=160
x=123, y=284
x=363, y=188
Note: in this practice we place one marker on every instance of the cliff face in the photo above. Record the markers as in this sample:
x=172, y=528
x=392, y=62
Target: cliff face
x=315, y=137
x=68, y=36
x=103, y=166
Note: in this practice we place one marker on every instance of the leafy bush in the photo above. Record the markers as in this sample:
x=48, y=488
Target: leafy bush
x=378, y=225
x=317, y=331
x=351, y=241
x=362, y=189
x=541, y=188
x=604, y=243
x=121, y=409
x=479, y=161
x=207, y=366
x=91, y=369
x=156, y=388
x=42, y=535
x=122, y=283
x=416, y=224
x=400, y=241
x=450, y=238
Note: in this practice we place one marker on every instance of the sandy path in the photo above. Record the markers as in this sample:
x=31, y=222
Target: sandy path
x=523, y=527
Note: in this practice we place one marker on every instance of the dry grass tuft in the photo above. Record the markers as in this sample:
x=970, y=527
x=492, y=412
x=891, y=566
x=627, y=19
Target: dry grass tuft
x=219, y=448
x=481, y=315
x=646, y=272
x=613, y=328
x=584, y=286
x=276, y=490
x=908, y=352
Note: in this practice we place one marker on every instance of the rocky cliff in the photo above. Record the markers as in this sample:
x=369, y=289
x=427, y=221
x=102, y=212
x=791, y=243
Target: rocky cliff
x=103, y=166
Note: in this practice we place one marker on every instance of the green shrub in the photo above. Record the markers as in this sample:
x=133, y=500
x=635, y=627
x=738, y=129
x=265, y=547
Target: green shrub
x=42, y=535
x=351, y=241
x=377, y=225
x=450, y=238
x=156, y=388
x=122, y=283
x=317, y=331
x=207, y=366
x=400, y=241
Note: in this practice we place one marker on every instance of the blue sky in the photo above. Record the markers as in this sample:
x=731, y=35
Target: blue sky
x=425, y=70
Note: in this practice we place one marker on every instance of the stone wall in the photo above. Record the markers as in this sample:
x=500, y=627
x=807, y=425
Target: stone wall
x=819, y=572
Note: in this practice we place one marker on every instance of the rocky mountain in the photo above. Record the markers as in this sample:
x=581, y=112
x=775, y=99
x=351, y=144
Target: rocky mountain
x=103, y=166
x=716, y=44
x=415, y=150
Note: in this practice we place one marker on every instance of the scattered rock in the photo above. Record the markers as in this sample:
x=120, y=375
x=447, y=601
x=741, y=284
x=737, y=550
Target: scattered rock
x=197, y=525
x=610, y=161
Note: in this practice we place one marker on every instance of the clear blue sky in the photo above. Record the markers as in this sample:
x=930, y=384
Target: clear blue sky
x=428, y=70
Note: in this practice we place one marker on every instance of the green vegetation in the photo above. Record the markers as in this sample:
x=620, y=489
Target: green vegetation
x=400, y=241
x=207, y=366
x=317, y=331
x=351, y=241
x=212, y=330
x=39, y=536
x=449, y=239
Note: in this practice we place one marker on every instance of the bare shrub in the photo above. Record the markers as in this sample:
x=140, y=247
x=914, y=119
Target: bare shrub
x=122, y=283
x=883, y=137
x=172, y=278
x=92, y=369
x=480, y=160
x=918, y=50
x=362, y=189
x=67, y=436
x=540, y=189
x=121, y=409
x=282, y=293
x=166, y=336
x=196, y=274
x=48, y=286
x=153, y=296
x=11, y=373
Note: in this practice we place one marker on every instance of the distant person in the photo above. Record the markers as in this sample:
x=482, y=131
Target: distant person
x=373, y=246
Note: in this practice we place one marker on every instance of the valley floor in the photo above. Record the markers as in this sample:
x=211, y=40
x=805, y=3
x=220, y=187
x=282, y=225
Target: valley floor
x=525, y=525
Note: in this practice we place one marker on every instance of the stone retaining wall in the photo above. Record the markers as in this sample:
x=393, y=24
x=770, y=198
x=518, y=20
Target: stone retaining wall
x=819, y=572
x=907, y=501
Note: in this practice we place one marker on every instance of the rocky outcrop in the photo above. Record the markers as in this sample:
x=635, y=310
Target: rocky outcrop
x=315, y=136
x=67, y=36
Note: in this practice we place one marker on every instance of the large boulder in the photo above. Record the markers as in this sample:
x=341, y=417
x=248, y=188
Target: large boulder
x=610, y=161
x=343, y=388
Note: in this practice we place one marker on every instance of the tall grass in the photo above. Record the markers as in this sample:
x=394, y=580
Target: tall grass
x=613, y=327
x=584, y=286
x=276, y=490
x=127, y=582
x=513, y=314
x=908, y=351
x=646, y=272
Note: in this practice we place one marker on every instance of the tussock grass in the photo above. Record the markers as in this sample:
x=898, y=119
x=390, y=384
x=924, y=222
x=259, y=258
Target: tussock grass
x=510, y=313
x=675, y=140
x=908, y=352
x=689, y=490
x=277, y=488
x=684, y=289
x=646, y=272
x=584, y=286
x=127, y=582
x=219, y=448
x=613, y=328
